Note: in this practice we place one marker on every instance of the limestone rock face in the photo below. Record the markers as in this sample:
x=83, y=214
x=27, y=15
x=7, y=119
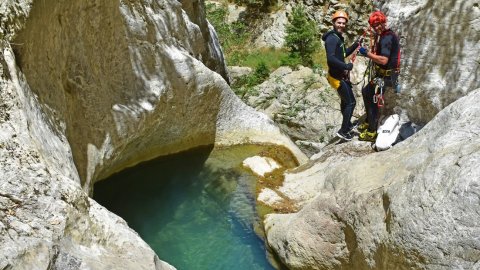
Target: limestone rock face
x=440, y=52
x=89, y=88
x=124, y=82
x=304, y=105
x=274, y=34
x=46, y=220
x=207, y=47
x=271, y=28
x=237, y=73
x=415, y=206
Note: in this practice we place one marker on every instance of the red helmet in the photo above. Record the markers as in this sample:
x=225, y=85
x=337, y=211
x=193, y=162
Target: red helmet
x=377, y=17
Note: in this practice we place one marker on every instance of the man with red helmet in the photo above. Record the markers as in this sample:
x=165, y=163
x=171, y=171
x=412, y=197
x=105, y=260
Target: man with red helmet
x=385, y=55
x=338, y=70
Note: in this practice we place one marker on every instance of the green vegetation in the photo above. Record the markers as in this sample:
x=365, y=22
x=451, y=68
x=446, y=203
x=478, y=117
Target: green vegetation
x=302, y=37
x=259, y=4
x=252, y=58
x=233, y=37
x=302, y=45
x=246, y=84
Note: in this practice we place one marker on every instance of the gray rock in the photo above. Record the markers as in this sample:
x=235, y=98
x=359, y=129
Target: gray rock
x=236, y=73
x=415, y=206
x=88, y=89
x=304, y=105
x=46, y=219
x=149, y=95
x=234, y=13
x=274, y=35
x=436, y=70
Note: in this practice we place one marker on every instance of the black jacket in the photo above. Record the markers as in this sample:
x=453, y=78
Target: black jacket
x=389, y=47
x=334, y=46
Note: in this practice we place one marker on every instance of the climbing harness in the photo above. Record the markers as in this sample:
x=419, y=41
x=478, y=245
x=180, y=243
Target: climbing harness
x=378, y=97
x=375, y=73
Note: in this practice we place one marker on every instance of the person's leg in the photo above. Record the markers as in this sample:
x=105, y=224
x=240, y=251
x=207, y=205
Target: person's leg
x=370, y=107
x=347, y=105
x=350, y=105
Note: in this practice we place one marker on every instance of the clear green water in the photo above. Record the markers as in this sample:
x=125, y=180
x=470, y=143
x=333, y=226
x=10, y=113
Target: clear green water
x=195, y=209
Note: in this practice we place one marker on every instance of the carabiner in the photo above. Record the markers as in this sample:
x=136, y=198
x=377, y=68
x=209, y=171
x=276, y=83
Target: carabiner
x=380, y=100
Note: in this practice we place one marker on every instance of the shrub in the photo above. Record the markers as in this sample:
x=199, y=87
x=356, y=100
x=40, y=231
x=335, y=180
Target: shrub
x=302, y=37
x=246, y=84
x=292, y=60
x=261, y=72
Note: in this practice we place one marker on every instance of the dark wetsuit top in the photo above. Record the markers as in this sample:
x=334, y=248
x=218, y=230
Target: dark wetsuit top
x=336, y=53
x=389, y=47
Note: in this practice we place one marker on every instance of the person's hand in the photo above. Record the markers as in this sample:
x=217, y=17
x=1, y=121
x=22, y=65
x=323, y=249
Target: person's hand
x=363, y=51
x=349, y=66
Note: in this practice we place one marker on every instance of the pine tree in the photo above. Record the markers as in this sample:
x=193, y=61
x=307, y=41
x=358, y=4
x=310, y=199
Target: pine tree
x=301, y=38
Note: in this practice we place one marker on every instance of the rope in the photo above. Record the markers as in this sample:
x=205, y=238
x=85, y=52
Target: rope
x=364, y=74
x=367, y=30
x=360, y=45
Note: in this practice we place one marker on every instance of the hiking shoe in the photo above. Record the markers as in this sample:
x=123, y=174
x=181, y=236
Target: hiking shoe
x=347, y=136
x=362, y=127
x=367, y=136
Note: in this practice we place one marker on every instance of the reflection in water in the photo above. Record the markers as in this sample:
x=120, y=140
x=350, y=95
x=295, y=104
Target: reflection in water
x=195, y=209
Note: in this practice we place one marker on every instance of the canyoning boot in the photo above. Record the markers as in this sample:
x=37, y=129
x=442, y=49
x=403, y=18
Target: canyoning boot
x=347, y=136
x=367, y=136
x=362, y=127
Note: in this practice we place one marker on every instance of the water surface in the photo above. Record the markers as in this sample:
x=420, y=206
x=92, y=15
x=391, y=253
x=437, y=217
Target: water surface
x=195, y=209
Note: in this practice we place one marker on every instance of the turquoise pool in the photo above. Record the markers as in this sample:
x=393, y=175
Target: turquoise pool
x=195, y=209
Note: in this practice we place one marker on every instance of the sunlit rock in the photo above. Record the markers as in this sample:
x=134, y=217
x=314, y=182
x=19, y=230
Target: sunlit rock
x=269, y=197
x=88, y=89
x=261, y=165
x=438, y=40
x=414, y=206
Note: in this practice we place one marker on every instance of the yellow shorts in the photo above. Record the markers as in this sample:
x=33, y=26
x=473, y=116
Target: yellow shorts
x=333, y=82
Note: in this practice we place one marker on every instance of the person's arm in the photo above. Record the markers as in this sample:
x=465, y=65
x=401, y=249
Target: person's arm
x=330, y=47
x=386, y=49
x=352, y=48
x=378, y=59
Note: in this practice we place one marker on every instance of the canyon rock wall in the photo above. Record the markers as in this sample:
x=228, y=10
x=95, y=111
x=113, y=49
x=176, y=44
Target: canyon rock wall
x=87, y=89
x=440, y=47
x=125, y=83
x=46, y=220
x=415, y=206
